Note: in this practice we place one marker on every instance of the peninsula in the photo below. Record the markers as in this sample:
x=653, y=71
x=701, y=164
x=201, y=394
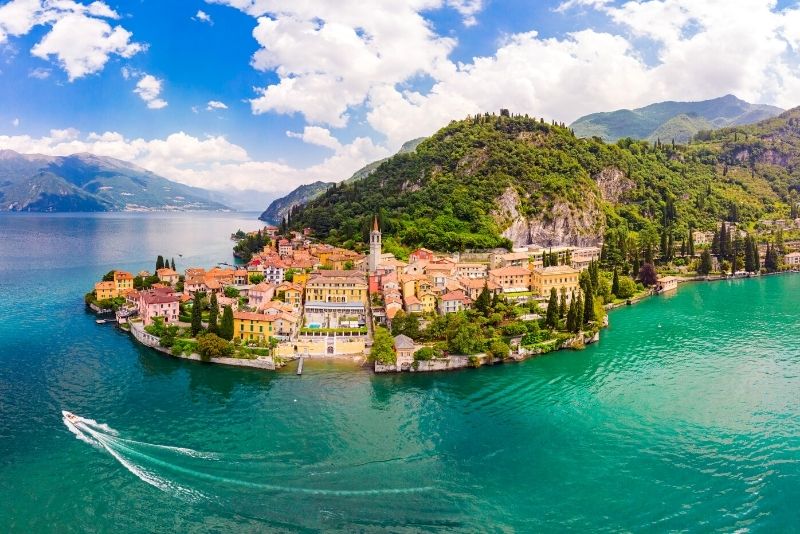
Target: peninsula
x=498, y=238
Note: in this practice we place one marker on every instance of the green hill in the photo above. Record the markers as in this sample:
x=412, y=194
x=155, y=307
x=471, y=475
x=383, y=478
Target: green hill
x=494, y=181
x=672, y=120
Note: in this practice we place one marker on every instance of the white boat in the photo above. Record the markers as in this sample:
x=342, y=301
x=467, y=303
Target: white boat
x=71, y=417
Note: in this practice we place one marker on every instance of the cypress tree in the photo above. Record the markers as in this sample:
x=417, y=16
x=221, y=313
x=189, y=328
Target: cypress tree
x=551, y=319
x=756, y=258
x=226, y=326
x=749, y=262
x=173, y=265
x=704, y=267
x=691, y=241
x=562, y=304
x=483, y=301
x=213, y=314
x=571, y=314
x=197, y=315
x=588, y=296
x=615, y=283
x=159, y=262
x=579, y=315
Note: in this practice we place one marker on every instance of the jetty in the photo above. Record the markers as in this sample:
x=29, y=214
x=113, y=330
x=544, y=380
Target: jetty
x=300, y=366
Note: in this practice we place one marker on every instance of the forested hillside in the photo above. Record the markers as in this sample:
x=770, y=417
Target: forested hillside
x=491, y=181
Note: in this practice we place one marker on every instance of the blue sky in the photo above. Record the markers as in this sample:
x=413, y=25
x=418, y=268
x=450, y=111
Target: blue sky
x=310, y=89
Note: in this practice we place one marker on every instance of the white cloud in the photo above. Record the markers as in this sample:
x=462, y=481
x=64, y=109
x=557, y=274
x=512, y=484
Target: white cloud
x=333, y=59
x=79, y=38
x=215, y=104
x=212, y=162
x=202, y=16
x=149, y=89
x=316, y=135
x=15, y=123
x=39, y=73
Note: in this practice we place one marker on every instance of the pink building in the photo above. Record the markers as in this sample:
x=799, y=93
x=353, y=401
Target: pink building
x=158, y=303
x=260, y=294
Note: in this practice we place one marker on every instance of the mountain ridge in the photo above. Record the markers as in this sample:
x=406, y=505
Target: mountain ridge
x=89, y=182
x=648, y=122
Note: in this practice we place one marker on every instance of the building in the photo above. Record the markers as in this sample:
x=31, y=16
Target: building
x=583, y=256
x=158, y=303
x=511, y=279
x=509, y=259
x=292, y=294
x=284, y=247
x=792, y=259
x=168, y=276
x=404, y=348
x=336, y=298
x=473, y=287
x=471, y=270
x=374, y=246
x=560, y=277
x=454, y=301
x=420, y=254
x=666, y=283
x=105, y=290
x=252, y=326
x=260, y=293
x=123, y=281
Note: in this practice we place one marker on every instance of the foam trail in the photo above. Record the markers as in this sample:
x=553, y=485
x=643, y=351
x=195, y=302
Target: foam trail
x=105, y=438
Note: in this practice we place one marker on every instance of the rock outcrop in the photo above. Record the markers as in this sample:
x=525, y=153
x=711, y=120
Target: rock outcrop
x=563, y=224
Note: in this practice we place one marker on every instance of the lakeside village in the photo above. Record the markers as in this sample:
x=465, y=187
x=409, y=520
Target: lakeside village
x=298, y=298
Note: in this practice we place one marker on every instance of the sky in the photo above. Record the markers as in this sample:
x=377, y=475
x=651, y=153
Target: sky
x=256, y=97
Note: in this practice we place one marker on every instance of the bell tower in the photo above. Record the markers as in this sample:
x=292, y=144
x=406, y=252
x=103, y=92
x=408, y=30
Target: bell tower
x=374, y=246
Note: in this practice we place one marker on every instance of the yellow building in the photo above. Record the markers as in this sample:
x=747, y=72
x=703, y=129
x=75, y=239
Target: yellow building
x=559, y=277
x=300, y=278
x=252, y=326
x=105, y=290
x=337, y=286
x=292, y=294
x=428, y=301
x=123, y=281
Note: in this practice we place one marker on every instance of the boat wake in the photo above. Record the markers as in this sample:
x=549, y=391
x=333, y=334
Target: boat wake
x=182, y=471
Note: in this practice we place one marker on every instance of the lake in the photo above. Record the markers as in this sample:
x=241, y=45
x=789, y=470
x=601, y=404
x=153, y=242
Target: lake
x=685, y=416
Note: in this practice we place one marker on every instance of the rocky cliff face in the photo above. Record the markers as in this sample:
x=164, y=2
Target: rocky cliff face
x=562, y=225
x=613, y=184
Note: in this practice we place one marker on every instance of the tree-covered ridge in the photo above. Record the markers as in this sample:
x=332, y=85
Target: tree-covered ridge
x=446, y=195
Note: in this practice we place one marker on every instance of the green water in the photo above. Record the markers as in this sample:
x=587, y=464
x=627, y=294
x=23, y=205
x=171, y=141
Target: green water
x=686, y=416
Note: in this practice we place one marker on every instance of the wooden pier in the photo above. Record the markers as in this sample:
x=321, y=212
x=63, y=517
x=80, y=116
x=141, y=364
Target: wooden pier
x=300, y=366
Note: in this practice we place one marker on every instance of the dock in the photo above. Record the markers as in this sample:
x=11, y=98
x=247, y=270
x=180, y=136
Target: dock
x=300, y=366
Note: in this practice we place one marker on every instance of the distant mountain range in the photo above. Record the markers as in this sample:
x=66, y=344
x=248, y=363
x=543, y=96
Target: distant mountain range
x=672, y=120
x=304, y=194
x=86, y=182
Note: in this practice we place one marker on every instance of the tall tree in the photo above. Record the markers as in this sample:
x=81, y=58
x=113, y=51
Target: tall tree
x=588, y=296
x=551, y=319
x=159, y=262
x=749, y=260
x=562, y=304
x=615, y=283
x=483, y=301
x=226, y=325
x=691, y=241
x=213, y=314
x=197, y=314
x=704, y=267
x=173, y=265
x=579, y=315
x=647, y=275
x=571, y=313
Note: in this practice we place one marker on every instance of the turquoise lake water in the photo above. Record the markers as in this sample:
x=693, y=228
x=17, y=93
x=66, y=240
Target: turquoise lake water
x=686, y=415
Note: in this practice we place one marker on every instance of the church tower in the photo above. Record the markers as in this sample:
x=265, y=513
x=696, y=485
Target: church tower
x=374, y=246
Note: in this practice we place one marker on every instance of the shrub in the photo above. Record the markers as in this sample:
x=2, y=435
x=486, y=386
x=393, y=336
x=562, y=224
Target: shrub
x=212, y=346
x=627, y=287
x=428, y=353
x=515, y=329
x=498, y=349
